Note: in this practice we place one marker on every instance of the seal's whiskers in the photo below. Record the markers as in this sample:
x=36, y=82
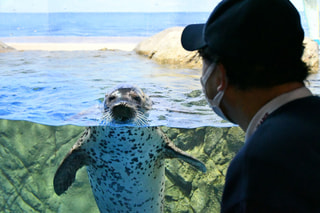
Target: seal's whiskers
x=141, y=119
x=106, y=117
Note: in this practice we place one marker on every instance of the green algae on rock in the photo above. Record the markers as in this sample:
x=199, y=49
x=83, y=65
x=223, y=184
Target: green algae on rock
x=30, y=153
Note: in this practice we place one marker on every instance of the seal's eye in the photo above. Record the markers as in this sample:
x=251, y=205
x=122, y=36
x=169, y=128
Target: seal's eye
x=111, y=98
x=137, y=98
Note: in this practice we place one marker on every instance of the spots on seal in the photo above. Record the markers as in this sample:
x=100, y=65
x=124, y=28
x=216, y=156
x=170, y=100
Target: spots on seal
x=125, y=164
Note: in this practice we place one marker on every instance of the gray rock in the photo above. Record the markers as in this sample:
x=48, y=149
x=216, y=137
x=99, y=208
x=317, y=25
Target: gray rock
x=311, y=55
x=165, y=48
x=5, y=48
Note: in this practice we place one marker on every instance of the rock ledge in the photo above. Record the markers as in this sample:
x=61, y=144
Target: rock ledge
x=165, y=48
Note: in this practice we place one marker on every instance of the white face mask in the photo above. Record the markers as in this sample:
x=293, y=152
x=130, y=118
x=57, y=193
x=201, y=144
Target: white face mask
x=215, y=102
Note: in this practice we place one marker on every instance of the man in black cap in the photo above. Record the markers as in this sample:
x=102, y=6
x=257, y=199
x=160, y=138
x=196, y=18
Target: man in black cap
x=253, y=76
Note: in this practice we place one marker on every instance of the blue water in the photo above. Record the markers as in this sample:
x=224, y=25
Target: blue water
x=94, y=24
x=59, y=88
x=99, y=24
x=68, y=87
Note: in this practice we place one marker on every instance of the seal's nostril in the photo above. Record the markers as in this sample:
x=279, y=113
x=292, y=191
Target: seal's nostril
x=122, y=112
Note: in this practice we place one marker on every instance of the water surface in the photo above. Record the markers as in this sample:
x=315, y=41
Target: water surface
x=58, y=88
x=68, y=87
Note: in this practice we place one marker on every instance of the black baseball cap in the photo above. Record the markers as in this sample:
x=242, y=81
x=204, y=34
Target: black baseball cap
x=249, y=29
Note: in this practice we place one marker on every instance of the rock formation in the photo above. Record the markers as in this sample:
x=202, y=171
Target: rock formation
x=311, y=55
x=30, y=153
x=5, y=48
x=165, y=48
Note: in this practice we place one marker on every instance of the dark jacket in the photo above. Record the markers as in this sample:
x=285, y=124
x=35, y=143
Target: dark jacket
x=278, y=169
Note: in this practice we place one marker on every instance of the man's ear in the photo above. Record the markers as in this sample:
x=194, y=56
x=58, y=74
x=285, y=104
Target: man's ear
x=222, y=79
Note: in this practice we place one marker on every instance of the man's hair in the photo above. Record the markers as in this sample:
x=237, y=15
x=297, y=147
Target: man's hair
x=245, y=74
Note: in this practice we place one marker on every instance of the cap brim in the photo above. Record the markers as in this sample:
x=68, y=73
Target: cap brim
x=192, y=37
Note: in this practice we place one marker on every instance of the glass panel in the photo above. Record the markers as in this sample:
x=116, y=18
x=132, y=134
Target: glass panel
x=64, y=57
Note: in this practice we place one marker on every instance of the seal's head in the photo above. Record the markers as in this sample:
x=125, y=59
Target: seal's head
x=126, y=104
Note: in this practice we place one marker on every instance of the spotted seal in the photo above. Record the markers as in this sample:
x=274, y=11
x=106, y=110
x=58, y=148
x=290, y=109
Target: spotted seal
x=125, y=164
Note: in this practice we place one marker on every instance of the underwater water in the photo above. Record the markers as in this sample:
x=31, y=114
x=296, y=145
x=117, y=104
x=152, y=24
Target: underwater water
x=30, y=153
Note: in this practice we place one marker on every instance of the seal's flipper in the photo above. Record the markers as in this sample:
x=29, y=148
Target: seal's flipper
x=67, y=170
x=174, y=152
x=74, y=160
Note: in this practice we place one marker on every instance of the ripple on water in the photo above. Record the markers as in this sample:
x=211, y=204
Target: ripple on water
x=68, y=87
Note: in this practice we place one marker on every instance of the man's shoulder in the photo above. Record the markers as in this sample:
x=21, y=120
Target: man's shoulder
x=298, y=114
x=308, y=105
x=290, y=125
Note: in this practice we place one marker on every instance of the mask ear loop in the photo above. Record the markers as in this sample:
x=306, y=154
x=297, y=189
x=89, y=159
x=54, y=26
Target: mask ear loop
x=205, y=75
x=204, y=78
x=215, y=102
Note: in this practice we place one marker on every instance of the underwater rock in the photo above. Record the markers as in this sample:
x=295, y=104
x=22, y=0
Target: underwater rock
x=194, y=94
x=30, y=154
x=212, y=138
x=188, y=140
x=189, y=191
x=165, y=48
x=5, y=48
x=234, y=139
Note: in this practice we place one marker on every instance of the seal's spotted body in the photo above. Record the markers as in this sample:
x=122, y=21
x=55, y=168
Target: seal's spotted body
x=125, y=166
x=131, y=178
